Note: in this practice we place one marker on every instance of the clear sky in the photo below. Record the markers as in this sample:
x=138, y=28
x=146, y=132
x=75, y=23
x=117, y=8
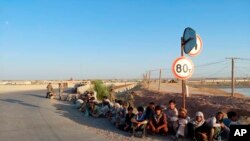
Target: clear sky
x=59, y=39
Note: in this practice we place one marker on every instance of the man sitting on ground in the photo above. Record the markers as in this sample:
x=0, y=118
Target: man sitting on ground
x=139, y=122
x=115, y=111
x=198, y=129
x=93, y=94
x=105, y=107
x=128, y=124
x=217, y=127
x=232, y=119
x=93, y=109
x=158, y=124
x=78, y=103
x=120, y=119
x=183, y=120
x=172, y=114
x=150, y=110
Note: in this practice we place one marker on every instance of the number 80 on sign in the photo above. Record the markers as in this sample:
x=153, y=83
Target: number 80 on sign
x=182, y=68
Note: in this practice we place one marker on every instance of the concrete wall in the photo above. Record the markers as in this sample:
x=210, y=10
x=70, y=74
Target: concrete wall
x=16, y=88
x=82, y=89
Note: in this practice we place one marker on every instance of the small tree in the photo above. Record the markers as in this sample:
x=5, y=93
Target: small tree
x=101, y=89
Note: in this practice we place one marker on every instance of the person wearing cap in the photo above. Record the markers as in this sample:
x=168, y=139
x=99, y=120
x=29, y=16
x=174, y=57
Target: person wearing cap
x=158, y=123
x=183, y=120
x=198, y=128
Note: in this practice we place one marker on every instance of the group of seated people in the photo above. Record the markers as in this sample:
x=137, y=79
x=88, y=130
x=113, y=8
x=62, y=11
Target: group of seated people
x=158, y=119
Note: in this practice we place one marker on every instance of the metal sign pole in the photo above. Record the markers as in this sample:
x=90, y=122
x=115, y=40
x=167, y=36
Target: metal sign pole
x=183, y=67
x=183, y=81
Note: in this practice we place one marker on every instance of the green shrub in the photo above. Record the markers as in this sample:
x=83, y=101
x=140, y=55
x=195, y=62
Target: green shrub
x=101, y=89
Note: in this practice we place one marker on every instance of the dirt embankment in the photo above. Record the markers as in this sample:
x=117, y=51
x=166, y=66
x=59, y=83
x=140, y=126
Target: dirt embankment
x=207, y=103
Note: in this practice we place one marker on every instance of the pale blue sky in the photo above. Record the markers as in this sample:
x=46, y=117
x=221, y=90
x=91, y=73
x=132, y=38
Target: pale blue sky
x=59, y=39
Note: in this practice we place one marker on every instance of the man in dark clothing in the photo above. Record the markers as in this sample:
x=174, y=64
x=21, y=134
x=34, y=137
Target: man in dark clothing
x=150, y=110
x=158, y=124
x=49, y=90
x=128, y=123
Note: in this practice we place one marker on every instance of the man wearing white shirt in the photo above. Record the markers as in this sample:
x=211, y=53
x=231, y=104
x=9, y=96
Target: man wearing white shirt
x=217, y=127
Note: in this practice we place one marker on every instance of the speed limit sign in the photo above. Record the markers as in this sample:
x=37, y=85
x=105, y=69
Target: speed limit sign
x=197, y=49
x=183, y=68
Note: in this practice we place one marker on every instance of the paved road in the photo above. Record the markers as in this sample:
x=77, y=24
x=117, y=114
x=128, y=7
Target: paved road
x=28, y=116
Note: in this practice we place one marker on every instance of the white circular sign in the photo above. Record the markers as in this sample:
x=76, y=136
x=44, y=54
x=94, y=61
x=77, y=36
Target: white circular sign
x=183, y=68
x=197, y=49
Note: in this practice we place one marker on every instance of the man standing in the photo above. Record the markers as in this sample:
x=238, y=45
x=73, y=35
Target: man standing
x=130, y=99
x=111, y=95
x=60, y=90
x=49, y=90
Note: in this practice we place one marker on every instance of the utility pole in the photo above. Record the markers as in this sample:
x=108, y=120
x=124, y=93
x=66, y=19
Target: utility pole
x=148, y=78
x=144, y=77
x=232, y=75
x=159, y=86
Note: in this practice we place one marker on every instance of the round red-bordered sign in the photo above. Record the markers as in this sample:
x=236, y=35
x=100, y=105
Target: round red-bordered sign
x=183, y=68
x=196, y=50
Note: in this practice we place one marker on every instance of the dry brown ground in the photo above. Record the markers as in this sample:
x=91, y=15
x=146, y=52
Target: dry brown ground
x=207, y=103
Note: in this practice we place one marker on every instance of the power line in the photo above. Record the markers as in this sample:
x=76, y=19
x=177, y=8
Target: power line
x=240, y=70
x=212, y=67
x=245, y=59
x=243, y=67
x=220, y=69
x=212, y=63
x=209, y=69
x=202, y=65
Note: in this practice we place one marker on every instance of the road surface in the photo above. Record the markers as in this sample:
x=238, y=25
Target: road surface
x=28, y=116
